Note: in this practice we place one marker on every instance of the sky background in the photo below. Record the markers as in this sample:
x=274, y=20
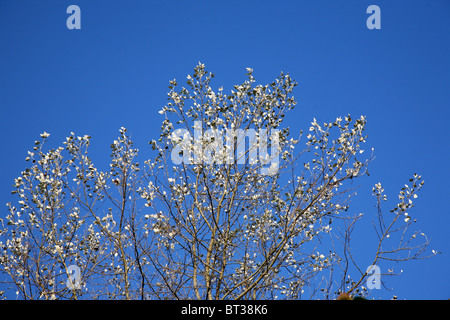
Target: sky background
x=115, y=71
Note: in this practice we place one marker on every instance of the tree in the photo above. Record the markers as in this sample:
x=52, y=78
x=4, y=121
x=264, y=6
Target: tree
x=207, y=217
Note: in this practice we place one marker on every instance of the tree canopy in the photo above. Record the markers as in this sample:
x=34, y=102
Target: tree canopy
x=231, y=206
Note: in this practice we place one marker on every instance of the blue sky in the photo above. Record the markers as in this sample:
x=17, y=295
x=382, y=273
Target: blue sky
x=114, y=72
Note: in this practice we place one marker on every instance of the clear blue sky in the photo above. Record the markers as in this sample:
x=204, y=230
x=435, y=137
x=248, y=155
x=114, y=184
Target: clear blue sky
x=114, y=72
